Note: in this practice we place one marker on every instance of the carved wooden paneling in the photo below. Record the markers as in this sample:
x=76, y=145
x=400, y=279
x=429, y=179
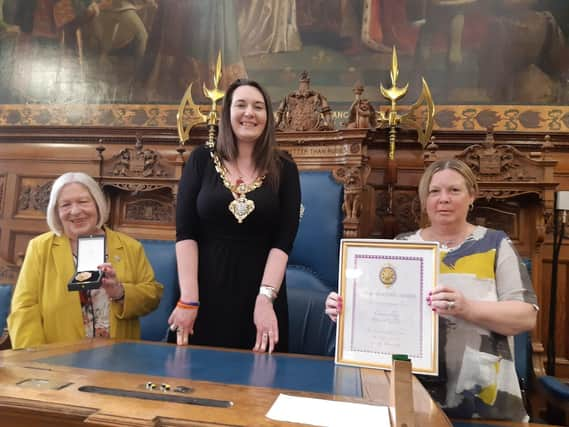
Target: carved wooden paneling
x=406, y=212
x=33, y=197
x=2, y=192
x=499, y=215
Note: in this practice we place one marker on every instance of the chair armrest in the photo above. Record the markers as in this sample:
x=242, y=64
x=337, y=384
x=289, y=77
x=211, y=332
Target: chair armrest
x=538, y=359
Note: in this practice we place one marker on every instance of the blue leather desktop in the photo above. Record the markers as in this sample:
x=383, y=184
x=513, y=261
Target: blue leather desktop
x=228, y=367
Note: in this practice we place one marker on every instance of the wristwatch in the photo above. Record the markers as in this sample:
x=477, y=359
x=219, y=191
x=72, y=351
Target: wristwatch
x=269, y=292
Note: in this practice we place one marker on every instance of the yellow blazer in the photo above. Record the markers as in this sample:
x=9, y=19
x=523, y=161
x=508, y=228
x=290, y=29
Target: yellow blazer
x=44, y=311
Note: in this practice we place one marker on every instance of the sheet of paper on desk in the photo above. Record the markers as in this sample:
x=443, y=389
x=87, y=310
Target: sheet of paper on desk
x=327, y=413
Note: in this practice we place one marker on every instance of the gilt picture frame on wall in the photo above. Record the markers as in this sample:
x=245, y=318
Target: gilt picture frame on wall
x=384, y=286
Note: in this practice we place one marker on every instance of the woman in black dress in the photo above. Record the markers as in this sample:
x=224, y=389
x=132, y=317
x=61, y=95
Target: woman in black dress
x=236, y=220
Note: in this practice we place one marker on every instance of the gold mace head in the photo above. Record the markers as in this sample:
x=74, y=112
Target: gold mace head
x=214, y=94
x=394, y=93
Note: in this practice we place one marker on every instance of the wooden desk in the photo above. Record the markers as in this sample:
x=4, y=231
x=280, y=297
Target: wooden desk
x=251, y=381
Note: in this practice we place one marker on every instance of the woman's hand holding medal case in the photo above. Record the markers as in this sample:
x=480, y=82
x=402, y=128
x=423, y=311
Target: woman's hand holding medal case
x=90, y=254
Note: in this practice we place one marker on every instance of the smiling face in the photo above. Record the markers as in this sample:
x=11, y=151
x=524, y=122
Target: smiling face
x=77, y=211
x=448, y=198
x=248, y=114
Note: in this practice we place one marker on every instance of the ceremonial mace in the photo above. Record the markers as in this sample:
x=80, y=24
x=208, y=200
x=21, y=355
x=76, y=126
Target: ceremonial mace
x=394, y=120
x=189, y=114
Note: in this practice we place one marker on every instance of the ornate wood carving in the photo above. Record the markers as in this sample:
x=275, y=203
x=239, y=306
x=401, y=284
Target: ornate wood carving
x=8, y=272
x=304, y=109
x=138, y=169
x=2, y=183
x=362, y=113
x=500, y=214
x=137, y=162
x=149, y=210
x=406, y=210
x=504, y=172
x=34, y=196
x=354, y=179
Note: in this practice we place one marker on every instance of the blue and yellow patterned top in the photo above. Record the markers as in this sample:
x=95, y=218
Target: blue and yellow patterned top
x=481, y=380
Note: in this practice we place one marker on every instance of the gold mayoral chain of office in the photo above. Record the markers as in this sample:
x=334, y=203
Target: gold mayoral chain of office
x=241, y=207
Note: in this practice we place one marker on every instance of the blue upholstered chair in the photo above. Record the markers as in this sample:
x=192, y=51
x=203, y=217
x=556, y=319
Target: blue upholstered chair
x=162, y=256
x=313, y=264
x=5, y=300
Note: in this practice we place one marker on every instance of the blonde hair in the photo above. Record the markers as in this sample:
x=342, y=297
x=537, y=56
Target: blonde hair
x=454, y=164
x=53, y=220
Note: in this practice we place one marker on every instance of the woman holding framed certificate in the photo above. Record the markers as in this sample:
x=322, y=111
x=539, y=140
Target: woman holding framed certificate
x=484, y=297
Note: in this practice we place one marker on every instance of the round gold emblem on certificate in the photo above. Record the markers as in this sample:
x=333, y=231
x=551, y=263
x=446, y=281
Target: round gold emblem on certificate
x=387, y=275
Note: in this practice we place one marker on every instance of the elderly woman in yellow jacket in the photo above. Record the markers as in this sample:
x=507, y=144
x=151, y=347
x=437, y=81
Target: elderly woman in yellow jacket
x=44, y=310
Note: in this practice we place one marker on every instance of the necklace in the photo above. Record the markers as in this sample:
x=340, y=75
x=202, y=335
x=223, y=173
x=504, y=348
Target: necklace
x=447, y=244
x=241, y=206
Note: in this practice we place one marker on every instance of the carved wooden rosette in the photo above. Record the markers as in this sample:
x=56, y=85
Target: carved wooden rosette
x=343, y=153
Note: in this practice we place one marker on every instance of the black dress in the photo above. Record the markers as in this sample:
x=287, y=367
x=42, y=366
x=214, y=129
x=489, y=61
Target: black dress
x=232, y=256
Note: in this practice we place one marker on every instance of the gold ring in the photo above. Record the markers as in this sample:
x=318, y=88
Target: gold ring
x=450, y=305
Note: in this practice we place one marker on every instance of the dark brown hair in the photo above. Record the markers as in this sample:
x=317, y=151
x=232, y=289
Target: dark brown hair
x=266, y=156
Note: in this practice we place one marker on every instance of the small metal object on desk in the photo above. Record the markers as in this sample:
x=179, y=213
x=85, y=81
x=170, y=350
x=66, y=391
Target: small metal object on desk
x=157, y=396
x=182, y=389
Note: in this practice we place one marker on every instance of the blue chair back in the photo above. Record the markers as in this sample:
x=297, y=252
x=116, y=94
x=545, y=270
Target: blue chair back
x=162, y=256
x=5, y=300
x=312, y=270
x=317, y=242
x=522, y=354
x=310, y=330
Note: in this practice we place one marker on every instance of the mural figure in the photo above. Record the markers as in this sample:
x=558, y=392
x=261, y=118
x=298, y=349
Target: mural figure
x=525, y=59
x=268, y=26
x=140, y=51
x=4, y=26
x=183, y=44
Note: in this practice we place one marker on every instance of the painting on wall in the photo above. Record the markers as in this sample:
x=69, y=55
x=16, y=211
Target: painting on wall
x=146, y=52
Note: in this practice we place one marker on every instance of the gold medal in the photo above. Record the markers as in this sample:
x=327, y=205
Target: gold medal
x=81, y=277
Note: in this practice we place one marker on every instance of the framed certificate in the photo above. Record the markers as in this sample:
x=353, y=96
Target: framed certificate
x=384, y=285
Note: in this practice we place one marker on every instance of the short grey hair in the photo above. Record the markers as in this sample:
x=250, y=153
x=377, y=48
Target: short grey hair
x=53, y=220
